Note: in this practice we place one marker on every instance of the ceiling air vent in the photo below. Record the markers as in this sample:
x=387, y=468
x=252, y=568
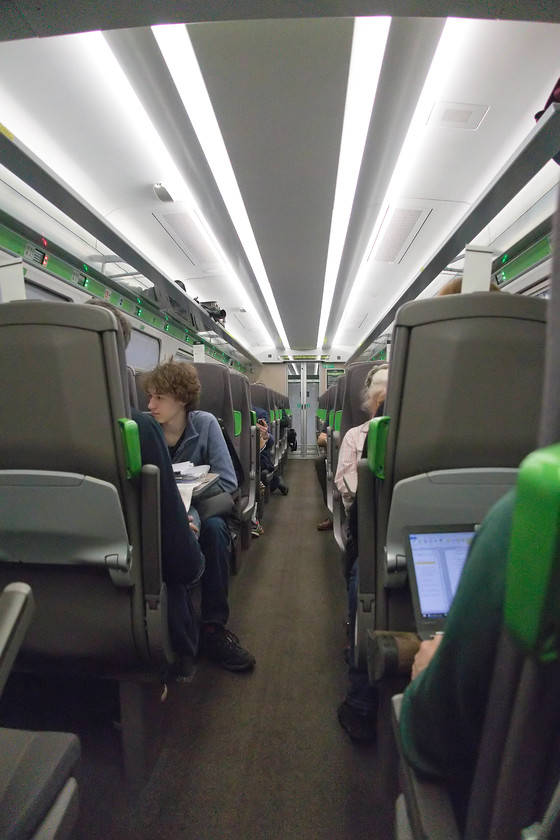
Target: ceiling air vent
x=457, y=115
x=187, y=236
x=403, y=227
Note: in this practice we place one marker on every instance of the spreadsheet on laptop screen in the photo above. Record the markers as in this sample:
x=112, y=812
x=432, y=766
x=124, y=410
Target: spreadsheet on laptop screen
x=438, y=560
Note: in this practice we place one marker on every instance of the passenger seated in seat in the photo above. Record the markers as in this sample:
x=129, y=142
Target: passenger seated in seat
x=321, y=470
x=455, y=287
x=181, y=558
x=174, y=389
x=266, y=445
x=354, y=439
x=358, y=712
x=443, y=709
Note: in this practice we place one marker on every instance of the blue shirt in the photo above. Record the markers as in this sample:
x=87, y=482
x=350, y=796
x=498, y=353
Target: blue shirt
x=203, y=443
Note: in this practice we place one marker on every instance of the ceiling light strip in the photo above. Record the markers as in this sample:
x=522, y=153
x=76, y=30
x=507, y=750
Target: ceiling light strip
x=178, y=53
x=445, y=63
x=146, y=132
x=368, y=48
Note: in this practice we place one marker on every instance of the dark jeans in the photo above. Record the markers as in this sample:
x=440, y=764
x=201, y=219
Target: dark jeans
x=361, y=695
x=214, y=541
x=277, y=480
x=321, y=470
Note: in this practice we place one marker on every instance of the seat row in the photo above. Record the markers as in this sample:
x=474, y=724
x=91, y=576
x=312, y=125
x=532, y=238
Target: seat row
x=231, y=398
x=79, y=514
x=343, y=410
x=461, y=413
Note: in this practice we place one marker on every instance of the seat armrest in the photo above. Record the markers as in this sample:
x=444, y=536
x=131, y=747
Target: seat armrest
x=151, y=533
x=333, y=445
x=253, y=470
x=428, y=807
x=16, y=611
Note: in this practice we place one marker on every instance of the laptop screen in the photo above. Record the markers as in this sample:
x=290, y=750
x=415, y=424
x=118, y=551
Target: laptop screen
x=436, y=560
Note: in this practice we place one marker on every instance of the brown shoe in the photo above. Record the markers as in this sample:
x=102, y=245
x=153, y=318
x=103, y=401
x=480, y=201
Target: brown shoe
x=325, y=525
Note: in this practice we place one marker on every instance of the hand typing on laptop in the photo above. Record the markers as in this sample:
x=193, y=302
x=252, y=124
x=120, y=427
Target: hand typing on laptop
x=425, y=654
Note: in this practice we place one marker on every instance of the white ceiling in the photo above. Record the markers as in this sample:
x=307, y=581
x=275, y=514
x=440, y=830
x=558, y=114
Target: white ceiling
x=278, y=89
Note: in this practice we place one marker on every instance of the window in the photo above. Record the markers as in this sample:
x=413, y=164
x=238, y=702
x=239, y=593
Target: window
x=34, y=292
x=143, y=351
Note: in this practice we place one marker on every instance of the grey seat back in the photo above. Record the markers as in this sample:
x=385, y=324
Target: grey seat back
x=463, y=400
x=333, y=436
x=465, y=383
x=62, y=454
x=245, y=440
x=280, y=428
x=38, y=789
x=350, y=414
x=142, y=398
x=262, y=397
x=285, y=422
x=471, y=419
x=330, y=400
x=215, y=396
x=353, y=412
x=322, y=411
x=132, y=389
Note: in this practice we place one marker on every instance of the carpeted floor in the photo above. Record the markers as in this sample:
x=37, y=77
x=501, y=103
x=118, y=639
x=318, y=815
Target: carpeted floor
x=258, y=755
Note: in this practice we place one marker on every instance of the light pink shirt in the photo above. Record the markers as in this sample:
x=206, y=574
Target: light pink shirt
x=349, y=454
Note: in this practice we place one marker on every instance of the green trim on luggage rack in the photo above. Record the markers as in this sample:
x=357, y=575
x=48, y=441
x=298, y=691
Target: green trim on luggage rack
x=34, y=250
x=532, y=601
x=377, y=444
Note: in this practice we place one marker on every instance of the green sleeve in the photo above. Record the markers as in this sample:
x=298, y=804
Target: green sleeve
x=443, y=709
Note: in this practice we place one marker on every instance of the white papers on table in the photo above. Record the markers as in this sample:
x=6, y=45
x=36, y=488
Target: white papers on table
x=188, y=486
x=186, y=491
x=186, y=471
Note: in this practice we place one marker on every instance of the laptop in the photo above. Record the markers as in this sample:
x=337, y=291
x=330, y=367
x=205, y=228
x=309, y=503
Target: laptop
x=435, y=557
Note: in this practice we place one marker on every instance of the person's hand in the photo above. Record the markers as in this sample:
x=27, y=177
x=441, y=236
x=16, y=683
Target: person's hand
x=424, y=655
x=263, y=429
x=192, y=526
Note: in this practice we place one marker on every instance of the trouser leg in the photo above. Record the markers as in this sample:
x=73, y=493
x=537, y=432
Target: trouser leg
x=215, y=544
x=361, y=694
x=321, y=470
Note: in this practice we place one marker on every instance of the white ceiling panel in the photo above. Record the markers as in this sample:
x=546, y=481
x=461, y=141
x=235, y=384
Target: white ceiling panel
x=104, y=114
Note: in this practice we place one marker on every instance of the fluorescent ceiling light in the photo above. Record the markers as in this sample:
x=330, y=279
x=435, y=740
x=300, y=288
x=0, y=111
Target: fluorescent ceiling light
x=179, y=55
x=368, y=48
x=173, y=180
x=444, y=64
x=135, y=122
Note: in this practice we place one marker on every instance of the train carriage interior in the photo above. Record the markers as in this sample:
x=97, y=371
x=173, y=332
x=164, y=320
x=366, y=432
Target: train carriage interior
x=288, y=197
